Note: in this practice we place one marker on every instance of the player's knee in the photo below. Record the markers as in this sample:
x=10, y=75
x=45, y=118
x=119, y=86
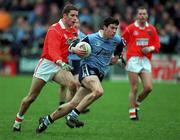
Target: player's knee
x=98, y=93
x=73, y=86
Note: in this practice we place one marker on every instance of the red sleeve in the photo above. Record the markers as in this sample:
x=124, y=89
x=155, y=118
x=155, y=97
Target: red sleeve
x=54, y=43
x=125, y=35
x=156, y=42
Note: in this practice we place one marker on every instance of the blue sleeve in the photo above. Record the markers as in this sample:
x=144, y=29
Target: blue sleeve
x=73, y=43
x=81, y=34
x=119, y=48
x=86, y=39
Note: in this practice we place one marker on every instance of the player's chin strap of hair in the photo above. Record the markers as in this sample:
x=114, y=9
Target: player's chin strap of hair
x=73, y=44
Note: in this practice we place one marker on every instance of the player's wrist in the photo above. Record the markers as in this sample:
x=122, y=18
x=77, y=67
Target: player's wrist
x=151, y=48
x=59, y=62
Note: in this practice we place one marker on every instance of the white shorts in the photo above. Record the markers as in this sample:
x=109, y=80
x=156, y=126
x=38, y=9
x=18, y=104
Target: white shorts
x=46, y=70
x=138, y=64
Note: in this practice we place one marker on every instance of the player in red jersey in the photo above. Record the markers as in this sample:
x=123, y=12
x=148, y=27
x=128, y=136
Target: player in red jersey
x=53, y=63
x=142, y=40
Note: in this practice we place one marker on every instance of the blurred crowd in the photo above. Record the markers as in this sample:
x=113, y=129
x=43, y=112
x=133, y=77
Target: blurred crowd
x=23, y=23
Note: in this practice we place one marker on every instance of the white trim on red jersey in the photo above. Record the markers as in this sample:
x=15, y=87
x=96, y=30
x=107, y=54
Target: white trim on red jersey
x=137, y=25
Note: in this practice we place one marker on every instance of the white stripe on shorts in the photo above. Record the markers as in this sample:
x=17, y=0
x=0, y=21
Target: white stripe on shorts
x=85, y=71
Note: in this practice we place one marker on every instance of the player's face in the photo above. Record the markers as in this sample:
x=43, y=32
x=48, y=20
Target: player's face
x=110, y=31
x=142, y=15
x=71, y=17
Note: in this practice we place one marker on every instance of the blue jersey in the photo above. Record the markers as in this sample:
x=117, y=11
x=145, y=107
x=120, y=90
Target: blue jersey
x=102, y=51
x=73, y=56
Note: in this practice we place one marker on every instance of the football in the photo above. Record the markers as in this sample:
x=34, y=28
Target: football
x=86, y=47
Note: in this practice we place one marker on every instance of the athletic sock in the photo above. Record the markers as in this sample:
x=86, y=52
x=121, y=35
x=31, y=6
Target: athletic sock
x=74, y=113
x=48, y=120
x=138, y=103
x=18, y=120
x=61, y=102
x=132, y=113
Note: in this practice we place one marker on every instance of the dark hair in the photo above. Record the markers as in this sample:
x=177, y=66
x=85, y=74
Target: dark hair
x=68, y=8
x=110, y=20
x=141, y=8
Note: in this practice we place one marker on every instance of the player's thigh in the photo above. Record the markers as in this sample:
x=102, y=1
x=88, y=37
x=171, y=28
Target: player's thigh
x=80, y=94
x=92, y=83
x=133, y=79
x=36, y=86
x=76, y=77
x=146, y=78
x=64, y=77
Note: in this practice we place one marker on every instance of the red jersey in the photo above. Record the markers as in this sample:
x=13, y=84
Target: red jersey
x=137, y=37
x=57, y=41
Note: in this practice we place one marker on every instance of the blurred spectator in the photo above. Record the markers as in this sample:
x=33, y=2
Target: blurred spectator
x=168, y=38
x=38, y=14
x=5, y=19
x=21, y=30
x=54, y=13
x=85, y=16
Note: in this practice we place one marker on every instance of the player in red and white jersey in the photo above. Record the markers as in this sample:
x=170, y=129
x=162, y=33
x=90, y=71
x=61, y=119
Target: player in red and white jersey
x=142, y=40
x=53, y=63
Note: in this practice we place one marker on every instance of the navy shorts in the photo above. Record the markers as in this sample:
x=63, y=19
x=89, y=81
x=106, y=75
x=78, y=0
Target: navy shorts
x=86, y=70
x=76, y=66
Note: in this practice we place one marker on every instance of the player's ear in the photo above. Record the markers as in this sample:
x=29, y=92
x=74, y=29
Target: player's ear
x=65, y=15
x=104, y=27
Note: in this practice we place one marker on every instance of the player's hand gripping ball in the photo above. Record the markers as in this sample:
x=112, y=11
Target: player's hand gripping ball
x=85, y=46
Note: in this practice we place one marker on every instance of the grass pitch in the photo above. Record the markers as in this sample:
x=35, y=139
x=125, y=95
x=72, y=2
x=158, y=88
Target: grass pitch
x=107, y=120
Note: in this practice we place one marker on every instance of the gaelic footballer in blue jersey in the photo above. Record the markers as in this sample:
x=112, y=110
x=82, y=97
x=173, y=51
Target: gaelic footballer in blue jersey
x=102, y=50
x=104, y=44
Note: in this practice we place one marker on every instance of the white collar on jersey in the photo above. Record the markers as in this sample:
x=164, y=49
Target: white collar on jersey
x=100, y=32
x=61, y=24
x=137, y=25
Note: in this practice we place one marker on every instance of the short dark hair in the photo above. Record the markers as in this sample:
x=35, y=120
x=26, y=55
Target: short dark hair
x=68, y=8
x=141, y=8
x=110, y=20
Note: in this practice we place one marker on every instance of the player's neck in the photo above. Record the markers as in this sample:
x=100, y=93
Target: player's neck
x=65, y=24
x=103, y=34
x=141, y=24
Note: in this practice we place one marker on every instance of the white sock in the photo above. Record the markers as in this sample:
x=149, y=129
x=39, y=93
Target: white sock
x=18, y=120
x=138, y=103
x=73, y=114
x=46, y=121
x=132, y=113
